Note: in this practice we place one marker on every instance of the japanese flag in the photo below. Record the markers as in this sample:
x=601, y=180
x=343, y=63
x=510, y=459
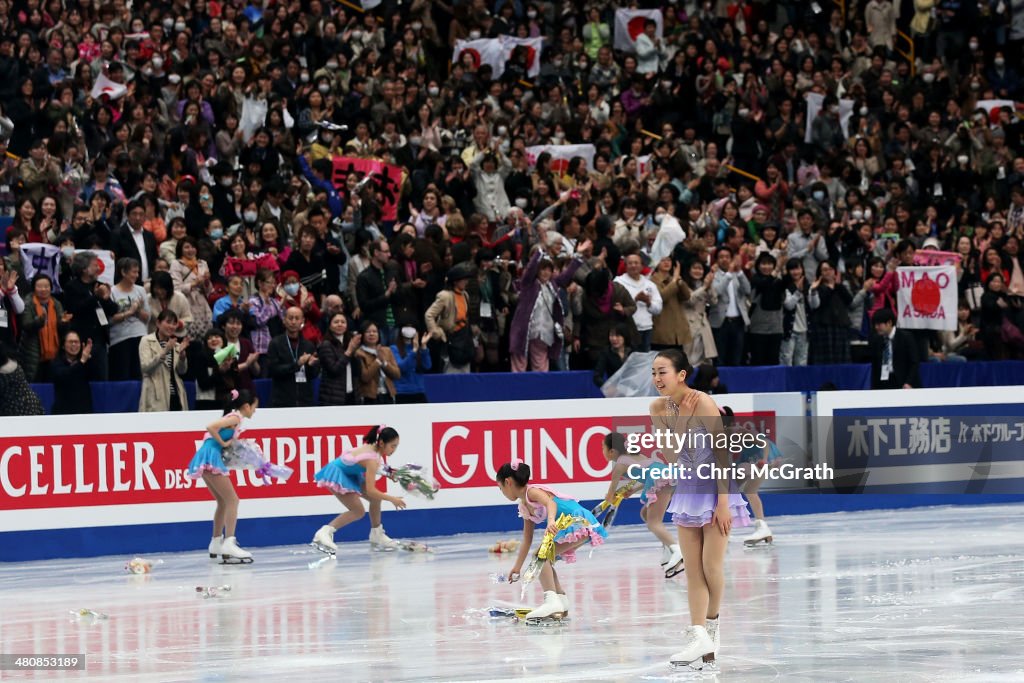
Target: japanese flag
x=926, y=297
x=629, y=23
x=105, y=86
x=643, y=164
x=561, y=155
x=106, y=264
x=533, y=49
x=41, y=259
x=484, y=51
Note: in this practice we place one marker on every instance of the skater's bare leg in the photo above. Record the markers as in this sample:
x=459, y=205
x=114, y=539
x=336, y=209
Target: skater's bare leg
x=750, y=489
x=655, y=519
x=547, y=577
x=227, y=500
x=691, y=540
x=374, y=513
x=218, y=514
x=355, y=510
x=713, y=561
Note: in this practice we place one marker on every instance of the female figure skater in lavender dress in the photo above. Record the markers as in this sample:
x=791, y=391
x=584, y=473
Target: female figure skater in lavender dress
x=351, y=477
x=208, y=464
x=704, y=508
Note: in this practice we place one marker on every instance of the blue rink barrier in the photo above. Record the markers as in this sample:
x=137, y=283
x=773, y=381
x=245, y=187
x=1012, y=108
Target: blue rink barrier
x=123, y=397
x=22, y=546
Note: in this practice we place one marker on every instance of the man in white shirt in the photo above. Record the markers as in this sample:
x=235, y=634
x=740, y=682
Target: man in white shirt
x=648, y=49
x=647, y=297
x=729, y=317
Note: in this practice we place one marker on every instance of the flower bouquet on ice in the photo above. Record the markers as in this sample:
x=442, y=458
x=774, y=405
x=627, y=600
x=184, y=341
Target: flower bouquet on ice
x=412, y=479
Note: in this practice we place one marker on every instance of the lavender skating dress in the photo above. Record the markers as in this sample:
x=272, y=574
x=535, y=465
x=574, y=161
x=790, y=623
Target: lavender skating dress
x=695, y=498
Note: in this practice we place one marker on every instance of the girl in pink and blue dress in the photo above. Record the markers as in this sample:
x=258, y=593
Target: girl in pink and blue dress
x=208, y=464
x=703, y=508
x=653, y=505
x=539, y=504
x=350, y=477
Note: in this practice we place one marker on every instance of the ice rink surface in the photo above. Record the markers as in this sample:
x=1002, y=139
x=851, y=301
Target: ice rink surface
x=930, y=594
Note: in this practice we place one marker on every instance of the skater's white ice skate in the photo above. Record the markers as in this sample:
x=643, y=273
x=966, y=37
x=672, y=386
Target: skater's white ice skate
x=230, y=553
x=762, y=534
x=697, y=645
x=565, y=604
x=675, y=561
x=552, y=610
x=666, y=553
x=380, y=540
x=215, y=544
x=323, y=540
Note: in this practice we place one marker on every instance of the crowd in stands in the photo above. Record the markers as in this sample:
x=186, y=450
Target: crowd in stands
x=316, y=190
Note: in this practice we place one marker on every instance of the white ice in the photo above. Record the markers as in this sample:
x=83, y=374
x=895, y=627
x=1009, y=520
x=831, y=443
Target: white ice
x=929, y=594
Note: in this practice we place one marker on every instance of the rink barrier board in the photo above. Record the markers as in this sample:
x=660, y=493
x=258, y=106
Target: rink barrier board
x=131, y=540
x=462, y=444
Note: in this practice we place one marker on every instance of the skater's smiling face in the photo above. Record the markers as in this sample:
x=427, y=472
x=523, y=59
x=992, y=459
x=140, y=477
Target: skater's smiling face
x=665, y=377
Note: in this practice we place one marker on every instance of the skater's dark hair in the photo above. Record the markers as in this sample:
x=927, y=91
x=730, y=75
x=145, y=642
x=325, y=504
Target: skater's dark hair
x=238, y=399
x=614, y=441
x=381, y=434
x=520, y=474
x=677, y=358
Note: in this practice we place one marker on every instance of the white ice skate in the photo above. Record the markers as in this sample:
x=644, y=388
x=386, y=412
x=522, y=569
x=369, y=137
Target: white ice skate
x=666, y=553
x=215, y=544
x=716, y=637
x=762, y=534
x=323, y=540
x=697, y=644
x=230, y=553
x=565, y=604
x=380, y=540
x=552, y=610
x=675, y=562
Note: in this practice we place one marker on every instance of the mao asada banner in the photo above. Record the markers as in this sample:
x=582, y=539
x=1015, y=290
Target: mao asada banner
x=926, y=298
x=387, y=180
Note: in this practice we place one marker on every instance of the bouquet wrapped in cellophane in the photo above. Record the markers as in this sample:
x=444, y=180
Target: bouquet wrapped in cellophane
x=546, y=551
x=411, y=479
x=623, y=492
x=245, y=454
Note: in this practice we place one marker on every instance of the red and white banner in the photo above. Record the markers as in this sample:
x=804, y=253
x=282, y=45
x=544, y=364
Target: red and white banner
x=533, y=46
x=489, y=51
x=81, y=471
x=105, y=86
x=106, y=263
x=386, y=178
x=931, y=257
x=561, y=155
x=926, y=298
x=629, y=23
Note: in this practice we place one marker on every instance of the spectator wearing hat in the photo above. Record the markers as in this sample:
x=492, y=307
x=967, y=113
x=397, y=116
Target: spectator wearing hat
x=292, y=363
x=448, y=321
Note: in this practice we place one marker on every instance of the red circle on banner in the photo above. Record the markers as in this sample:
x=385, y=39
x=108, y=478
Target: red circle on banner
x=560, y=165
x=925, y=296
x=636, y=27
x=474, y=54
x=99, y=267
x=531, y=57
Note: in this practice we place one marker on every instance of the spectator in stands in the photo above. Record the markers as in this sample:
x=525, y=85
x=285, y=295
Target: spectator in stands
x=829, y=301
x=671, y=328
x=767, y=295
x=729, y=317
x=293, y=293
x=70, y=372
x=793, y=350
x=91, y=308
x=292, y=364
x=377, y=368
x=132, y=240
x=647, y=297
x=16, y=397
x=246, y=364
x=266, y=313
x=164, y=362
x=376, y=285
x=448, y=321
x=413, y=359
x=41, y=325
x=894, y=358
x=129, y=325
x=192, y=279
x=340, y=372
x=163, y=297
x=612, y=358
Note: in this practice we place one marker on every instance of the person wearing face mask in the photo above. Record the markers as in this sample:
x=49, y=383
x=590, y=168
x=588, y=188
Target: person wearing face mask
x=1003, y=79
x=293, y=294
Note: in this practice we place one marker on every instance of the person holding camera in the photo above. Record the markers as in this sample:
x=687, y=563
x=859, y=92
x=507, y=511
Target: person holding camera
x=164, y=363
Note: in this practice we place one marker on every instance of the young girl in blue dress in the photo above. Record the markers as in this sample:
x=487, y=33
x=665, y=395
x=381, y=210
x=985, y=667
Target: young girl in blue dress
x=539, y=504
x=208, y=464
x=653, y=505
x=350, y=477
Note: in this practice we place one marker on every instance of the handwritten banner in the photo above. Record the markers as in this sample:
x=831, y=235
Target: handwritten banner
x=387, y=180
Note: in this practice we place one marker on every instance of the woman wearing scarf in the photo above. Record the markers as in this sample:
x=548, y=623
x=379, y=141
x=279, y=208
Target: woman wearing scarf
x=40, y=341
x=378, y=368
x=191, y=277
